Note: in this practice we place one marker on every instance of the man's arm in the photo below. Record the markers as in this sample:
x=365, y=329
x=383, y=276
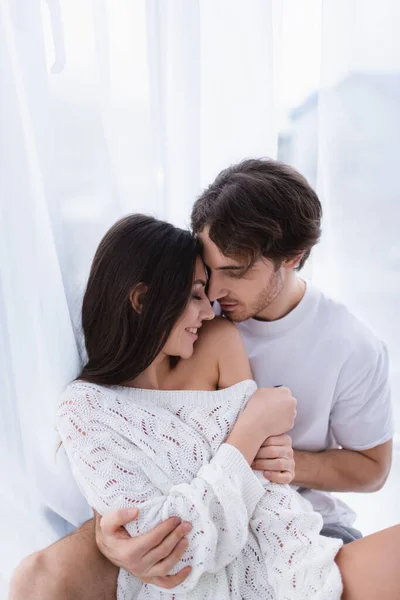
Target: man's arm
x=74, y=568
x=344, y=470
x=361, y=423
x=71, y=569
x=150, y=556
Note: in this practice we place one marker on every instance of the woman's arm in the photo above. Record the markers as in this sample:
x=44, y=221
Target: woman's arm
x=222, y=343
x=113, y=473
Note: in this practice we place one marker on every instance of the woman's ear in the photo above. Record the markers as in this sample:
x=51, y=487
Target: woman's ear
x=137, y=297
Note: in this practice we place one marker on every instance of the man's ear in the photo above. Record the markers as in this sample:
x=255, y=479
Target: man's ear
x=137, y=297
x=292, y=263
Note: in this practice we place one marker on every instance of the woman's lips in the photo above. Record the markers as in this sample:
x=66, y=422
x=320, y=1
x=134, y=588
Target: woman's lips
x=193, y=335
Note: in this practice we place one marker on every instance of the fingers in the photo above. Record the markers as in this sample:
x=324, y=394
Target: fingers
x=169, y=547
x=150, y=540
x=113, y=521
x=165, y=566
x=272, y=452
x=171, y=581
x=278, y=440
x=276, y=477
x=276, y=464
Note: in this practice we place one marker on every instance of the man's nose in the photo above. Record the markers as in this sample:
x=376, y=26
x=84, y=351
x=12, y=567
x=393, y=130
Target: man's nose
x=215, y=290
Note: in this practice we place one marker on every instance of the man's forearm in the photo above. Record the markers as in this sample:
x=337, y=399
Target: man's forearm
x=338, y=471
x=71, y=569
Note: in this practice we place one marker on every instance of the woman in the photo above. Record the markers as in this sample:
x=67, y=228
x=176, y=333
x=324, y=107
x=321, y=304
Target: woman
x=133, y=440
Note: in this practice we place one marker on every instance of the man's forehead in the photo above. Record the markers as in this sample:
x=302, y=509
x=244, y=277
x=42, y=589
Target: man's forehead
x=216, y=260
x=211, y=253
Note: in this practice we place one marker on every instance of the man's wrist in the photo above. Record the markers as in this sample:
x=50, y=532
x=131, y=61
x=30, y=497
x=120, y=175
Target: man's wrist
x=307, y=468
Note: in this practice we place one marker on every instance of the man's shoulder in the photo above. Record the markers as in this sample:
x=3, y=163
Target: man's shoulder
x=341, y=326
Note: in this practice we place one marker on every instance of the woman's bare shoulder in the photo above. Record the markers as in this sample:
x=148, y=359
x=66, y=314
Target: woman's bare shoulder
x=220, y=341
x=215, y=334
x=218, y=328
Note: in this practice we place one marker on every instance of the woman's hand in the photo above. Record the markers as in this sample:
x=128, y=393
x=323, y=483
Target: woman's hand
x=269, y=412
x=150, y=556
x=276, y=459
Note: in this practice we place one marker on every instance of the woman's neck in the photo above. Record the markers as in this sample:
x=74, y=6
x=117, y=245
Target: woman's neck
x=155, y=376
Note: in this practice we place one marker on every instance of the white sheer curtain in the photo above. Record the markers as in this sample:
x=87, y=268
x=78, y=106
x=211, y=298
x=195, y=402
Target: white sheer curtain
x=358, y=162
x=106, y=108
x=358, y=180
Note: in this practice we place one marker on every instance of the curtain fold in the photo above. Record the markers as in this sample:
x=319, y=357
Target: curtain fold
x=106, y=108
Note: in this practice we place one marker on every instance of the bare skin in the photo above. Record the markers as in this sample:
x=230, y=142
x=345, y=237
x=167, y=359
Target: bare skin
x=370, y=566
x=72, y=568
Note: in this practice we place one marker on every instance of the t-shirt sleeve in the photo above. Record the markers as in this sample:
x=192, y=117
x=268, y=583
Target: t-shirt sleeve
x=361, y=417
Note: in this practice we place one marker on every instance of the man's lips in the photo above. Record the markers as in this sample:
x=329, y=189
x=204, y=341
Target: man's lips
x=227, y=305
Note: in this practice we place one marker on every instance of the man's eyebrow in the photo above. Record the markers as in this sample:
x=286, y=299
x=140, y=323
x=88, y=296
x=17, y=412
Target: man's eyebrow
x=201, y=282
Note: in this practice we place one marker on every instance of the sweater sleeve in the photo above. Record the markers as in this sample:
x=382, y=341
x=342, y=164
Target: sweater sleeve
x=300, y=562
x=113, y=472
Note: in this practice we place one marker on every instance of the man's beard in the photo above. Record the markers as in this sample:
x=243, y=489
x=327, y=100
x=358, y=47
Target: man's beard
x=265, y=298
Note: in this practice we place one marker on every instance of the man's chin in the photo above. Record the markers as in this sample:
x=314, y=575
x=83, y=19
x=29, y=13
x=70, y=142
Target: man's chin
x=235, y=315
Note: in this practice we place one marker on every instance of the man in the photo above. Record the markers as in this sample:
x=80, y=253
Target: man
x=257, y=224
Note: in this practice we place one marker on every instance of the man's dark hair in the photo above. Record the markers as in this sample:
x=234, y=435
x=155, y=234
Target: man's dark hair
x=257, y=208
x=121, y=342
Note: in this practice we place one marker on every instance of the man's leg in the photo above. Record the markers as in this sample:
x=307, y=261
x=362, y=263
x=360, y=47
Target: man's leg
x=336, y=530
x=71, y=569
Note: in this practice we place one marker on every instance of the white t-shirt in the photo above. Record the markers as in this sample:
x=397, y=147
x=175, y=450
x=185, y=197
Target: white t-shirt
x=338, y=372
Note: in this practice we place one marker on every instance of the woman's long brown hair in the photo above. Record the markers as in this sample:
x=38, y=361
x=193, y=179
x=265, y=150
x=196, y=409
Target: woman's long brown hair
x=121, y=342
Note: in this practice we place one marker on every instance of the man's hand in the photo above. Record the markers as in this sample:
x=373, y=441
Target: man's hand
x=149, y=556
x=275, y=458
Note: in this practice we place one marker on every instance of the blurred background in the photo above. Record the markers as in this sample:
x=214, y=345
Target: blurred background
x=116, y=106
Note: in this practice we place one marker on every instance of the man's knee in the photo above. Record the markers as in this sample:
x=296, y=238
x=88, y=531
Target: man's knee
x=31, y=579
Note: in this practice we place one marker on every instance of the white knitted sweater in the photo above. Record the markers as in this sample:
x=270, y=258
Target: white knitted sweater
x=164, y=452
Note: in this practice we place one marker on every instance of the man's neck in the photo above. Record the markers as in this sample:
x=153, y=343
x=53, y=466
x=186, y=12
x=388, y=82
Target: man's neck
x=288, y=298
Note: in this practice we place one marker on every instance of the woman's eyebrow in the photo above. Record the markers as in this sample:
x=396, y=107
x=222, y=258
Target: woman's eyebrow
x=231, y=268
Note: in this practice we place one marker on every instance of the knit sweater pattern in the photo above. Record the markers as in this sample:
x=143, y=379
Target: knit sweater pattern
x=164, y=452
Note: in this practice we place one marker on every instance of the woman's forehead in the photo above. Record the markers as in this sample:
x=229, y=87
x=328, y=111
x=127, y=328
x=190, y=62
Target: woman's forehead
x=200, y=269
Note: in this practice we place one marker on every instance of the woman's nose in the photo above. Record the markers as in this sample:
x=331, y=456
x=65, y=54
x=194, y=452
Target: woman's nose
x=208, y=312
